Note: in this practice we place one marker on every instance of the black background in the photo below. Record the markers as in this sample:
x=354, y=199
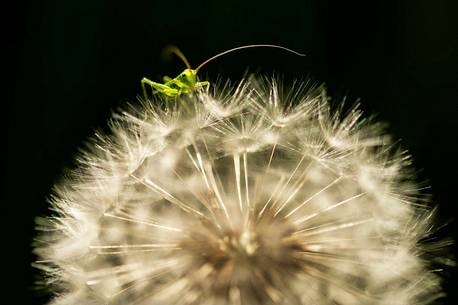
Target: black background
x=73, y=62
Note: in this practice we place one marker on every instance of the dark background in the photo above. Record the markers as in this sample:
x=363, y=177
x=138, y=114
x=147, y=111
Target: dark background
x=73, y=62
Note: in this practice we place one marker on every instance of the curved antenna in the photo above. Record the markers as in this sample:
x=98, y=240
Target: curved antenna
x=177, y=52
x=246, y=47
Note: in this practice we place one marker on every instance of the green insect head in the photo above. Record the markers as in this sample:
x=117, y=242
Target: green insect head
x=188, y=77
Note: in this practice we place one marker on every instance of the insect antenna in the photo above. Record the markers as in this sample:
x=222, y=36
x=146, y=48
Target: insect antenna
x=177, y=52
x=246, y=47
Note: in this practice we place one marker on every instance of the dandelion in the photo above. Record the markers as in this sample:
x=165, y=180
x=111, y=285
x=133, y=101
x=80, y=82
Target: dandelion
x=250, y=195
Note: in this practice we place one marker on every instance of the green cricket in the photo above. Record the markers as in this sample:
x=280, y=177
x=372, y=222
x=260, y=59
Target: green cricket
x=188, y=81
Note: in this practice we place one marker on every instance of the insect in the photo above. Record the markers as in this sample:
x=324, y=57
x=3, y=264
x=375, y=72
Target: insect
x=188, y=81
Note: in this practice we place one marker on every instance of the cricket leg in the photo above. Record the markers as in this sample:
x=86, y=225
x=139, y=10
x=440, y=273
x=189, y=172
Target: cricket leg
x=202, y=84
x=157, y=87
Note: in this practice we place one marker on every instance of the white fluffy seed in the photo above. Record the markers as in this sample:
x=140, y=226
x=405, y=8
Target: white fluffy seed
x=252, y=196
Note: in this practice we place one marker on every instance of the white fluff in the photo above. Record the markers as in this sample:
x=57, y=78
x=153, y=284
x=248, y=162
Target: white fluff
x=248, y=195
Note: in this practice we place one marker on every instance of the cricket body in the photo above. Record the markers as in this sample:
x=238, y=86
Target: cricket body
x=188, y=81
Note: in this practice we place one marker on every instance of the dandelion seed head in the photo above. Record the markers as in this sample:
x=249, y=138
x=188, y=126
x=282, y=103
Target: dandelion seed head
x=245, y=195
